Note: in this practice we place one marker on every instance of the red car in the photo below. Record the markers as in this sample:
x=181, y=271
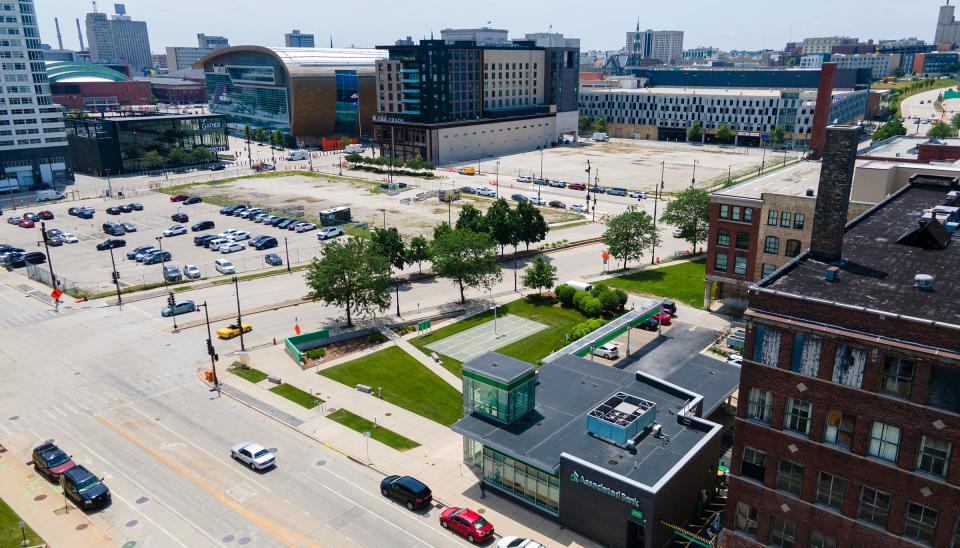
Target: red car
x=46, y=215
x=663, y=318
x=577, y=186
x=178, y=198
x=557, y=204
x=467, y=523
x=25, y=223
x=51, y=461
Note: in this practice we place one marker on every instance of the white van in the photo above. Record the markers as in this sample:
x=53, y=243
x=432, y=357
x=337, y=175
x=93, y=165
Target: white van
x=579, y=286
x=295, y=155
x=354, y=148
x=45, y=195
x=600, y=137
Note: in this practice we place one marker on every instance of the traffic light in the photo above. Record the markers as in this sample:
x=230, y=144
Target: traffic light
x=171, y=300
x=211, y=352
x=115, y=276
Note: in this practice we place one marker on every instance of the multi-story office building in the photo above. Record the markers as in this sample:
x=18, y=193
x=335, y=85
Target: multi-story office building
x=159, y=60
x=948, y=28
x=563, y=76
x=665, y=46
x=813, y=61
x=935, y=63
x=212, y=42
x=297, y=39
x=826, y=44
x=907, y=48
x=119, y=37
x=881, y=65
x=483, y=36
x=33, y=141
x=701, y=54
x=180, y=58
x=850, y=421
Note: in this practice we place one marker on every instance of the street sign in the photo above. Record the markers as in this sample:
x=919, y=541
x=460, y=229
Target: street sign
x=366, y=434
x=605, y=255
x=56, y=294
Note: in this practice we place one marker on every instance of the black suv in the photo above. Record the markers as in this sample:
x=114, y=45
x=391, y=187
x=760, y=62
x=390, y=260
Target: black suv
x=407, y=490
x=113, y=229
x=202, y=240
x=111, y=244
x=84, y=489
x=202, y=225
x=50, y=461
x=264, y=242
x=179, y=218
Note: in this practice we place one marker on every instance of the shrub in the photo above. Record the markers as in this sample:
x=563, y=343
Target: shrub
x=609, y=301
x=565, y=293
x=578, y=298
x=404, y=329
x=622, y=297
x=315, y=354
x=376, y=338
x=590, y=306
x=585, y=328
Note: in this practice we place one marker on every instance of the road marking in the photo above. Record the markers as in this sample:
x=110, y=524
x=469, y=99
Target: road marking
x=284, y=535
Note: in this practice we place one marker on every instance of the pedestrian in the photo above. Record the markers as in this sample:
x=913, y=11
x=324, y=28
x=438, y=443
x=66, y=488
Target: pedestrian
x=483, y=490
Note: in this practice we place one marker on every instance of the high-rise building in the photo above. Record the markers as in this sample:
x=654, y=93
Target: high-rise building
x=33, y=141
x=562, y=86
x=119, y=37
x=849, y=421
x=212, y=42
x=665, y=46
x=297, y=39
x=825, y=44
x=181, y=58
x=948, y=28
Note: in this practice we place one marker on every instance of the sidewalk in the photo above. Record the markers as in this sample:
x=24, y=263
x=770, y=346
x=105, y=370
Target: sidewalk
x=40, y=504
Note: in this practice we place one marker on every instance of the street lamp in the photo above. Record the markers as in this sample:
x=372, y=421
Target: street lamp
x=210, y=350
x=729, y=174
x=384, y=211
x=162, y=260
x=693, y=180
x=498, y=179
x=588, y=182
x=109, y=185
x=540, y=148
x=287, y=248
x=116, y=279
x=656, y=200
x=46, y=245
x=236, y=288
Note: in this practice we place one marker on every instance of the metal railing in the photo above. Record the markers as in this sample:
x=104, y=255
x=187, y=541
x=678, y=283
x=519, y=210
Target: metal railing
x=608, y=331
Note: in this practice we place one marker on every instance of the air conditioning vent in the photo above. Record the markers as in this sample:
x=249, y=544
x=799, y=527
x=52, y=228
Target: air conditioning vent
x=923, y=282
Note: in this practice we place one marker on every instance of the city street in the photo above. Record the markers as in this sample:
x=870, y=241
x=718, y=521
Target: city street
x=916, y=111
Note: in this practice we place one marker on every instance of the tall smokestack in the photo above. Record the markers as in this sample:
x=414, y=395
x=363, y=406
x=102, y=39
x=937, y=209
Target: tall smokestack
x=80, y=34
x=56, y=22
x=833, y=196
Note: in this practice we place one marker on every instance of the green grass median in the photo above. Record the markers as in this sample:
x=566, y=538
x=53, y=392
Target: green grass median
x=10, y=534
x=247, y=373
x=297, y=396
x=379, y=433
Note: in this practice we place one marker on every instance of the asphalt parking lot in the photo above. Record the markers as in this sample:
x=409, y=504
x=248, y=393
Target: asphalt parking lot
x=82, y=265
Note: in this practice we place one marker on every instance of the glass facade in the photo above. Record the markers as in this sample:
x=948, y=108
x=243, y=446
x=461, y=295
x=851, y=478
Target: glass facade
x=256, y=105
x=503, y=403
x=527, y=483
x=348, y=102
x=138, y=139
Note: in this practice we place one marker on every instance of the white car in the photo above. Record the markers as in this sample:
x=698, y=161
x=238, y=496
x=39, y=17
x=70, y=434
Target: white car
x=610, y=351
x=191, y=272
x=215, y=244
x=239, y=236
x=175, y=230
x=518, y=542
x=637, y=194
x=68, y=238
x=329, y=232
x=224, y=266
x=228, y=233
x=578, y=208
x=260, y=217
x=523, y=179
x=254, y=455
x=488, y=192
x=306, y=227
x=537, y=201
x=231, y=247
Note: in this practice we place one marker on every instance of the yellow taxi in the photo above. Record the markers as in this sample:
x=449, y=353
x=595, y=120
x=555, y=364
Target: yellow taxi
x=233, y=330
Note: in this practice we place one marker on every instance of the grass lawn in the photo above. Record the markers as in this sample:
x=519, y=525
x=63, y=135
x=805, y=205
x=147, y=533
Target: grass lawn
x=405, y=382
x=296, y=395
x=682, y=282
x=250, y=374
x=379, y=433
x=10, y=528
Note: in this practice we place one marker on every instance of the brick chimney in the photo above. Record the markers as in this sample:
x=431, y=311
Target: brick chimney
x=833, y=196
x=821, y=112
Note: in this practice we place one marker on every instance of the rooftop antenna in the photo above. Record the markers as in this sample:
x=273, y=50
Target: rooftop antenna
x=331, y=41
x=56, y=23
x=94, y=6
x=80, y=34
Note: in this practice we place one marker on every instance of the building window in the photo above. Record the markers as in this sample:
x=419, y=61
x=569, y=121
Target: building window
x=766, y=345
x=920, y=523
x=783, y=532
x=743, y=240
x=798, y=221
x=830, y=490
x=760, y=405
x=771, y=245
x=768, y=269
x=790, y=477
x=839, y=429
x=772, y=217
x=746, y=518
x=748, y=214
x=793, y=248
x=724, y=211
x=944, y=390
x=753, y=464
x=874, y=506
x=720, y=262
x=884, y=442
x=723, y=237
x=785, y=219
x=897, y=376
x=740, y=265
x=797, y=416
x=736, y=213
x=849, y=364
x=820, y=540
x=805, y=358
x=934, y=456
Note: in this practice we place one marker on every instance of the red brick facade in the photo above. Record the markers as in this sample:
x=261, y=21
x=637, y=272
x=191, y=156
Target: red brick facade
x=733, y=209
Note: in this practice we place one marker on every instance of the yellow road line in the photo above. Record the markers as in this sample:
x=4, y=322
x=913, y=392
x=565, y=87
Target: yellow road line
x=284, y=535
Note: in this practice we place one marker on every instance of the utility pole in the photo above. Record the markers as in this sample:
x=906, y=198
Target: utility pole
x=46, y=246
x=116, y=279
x=162, y=273
x=693, y=180
x=656, y=200
x=236, y=288
x=588, y=184
x=210, y=350
x=498, y=179
x=109, y=185
x=286, y=246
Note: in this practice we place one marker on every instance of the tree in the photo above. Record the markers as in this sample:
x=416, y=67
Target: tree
x=777, y=135
x=585, y=124
x=695, y=132
x=724, y=133
x=259, y=135
x=539, y=275
x=467, y=258
x=418, y=251
x=201, y=155
x=628, y=234
x=152, y=159
x=530, y=224
x=389, y=245
x=955, y=121
x=689, y=211
x=941, y=130
x=600, y=125
x=277, y=138
x=898, y=72
x=344, y=141
x=352, y=276
x=178, y=156
x=471, y=219
x=890, y=129
x=500, y=222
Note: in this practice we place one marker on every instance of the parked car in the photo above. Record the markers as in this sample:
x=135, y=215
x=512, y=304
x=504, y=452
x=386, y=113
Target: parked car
x=466, y=523
x=577, y=186
x=649, y=324
x=239, y=211
x=264, y=242
x=178, y=198
x=306, y=227
x=518, y=542
x=610, y=351
x=143, y=254
x=111, y=244
x=84, y=489
x=202, y=240
x=296, y=225
x=124, y=208
x=488, y=192
x=557, y=204
x=519, y=198
x=670, y=307
x=203, y=225
x=180, y=218
x=329, y=232
x=251, y=213
x=272, y=259
x=193, y=200
x=113, y=211
x=171, y=273
x=132, y=254
x=26, y=223
x=233, y=330
x=175, y=230
x=616, y=191
x=557, y=184
x=129, y=227
x=50, y=461
x=406, y=490
x=191, y=272
x=184, y=307
x=136, y=206
x=113, y=229
x=285, y=223
x=598, y=189
x=68, y=238
x=24, y=259
x=73, y=211
x=228, y=210
x=578, y=208
x=228, y=233
x=54, y=241
x=214, y=244
x=254, y=455
x=240, y=235
x=13, y=220
x=259, y=217
x=86, y=213
x=637, y=194
x=678, y=233
x=217, y=167
x=224, y=266
x=231, y=247
x=663, y=317
x=523, y=179
x=158, y=257
x=45, y=215
x=537, y=201
x=468, y=190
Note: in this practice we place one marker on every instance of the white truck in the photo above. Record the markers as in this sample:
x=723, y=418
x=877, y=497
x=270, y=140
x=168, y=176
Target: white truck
x=354, y=148
x=296, y=155
x=46, y=195
x=600, y=137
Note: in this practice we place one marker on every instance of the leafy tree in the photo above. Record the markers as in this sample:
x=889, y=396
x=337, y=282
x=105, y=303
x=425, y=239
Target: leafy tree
x=695, y=131
x=201, y=155
x=898, y=72
x=259, y=135
x=344, y=141
x=530, y=224
x=539, y=275
x=955, y=121
x=689, y=211
x=467, y=258
x=600, y=125
x=350, y=275
x=724, y=133
x=777, y=135
x=941, y=130
x=471, y=219
x=628, y=234
x=277, y=138
x=152, y=159
x=585, y=124
x=418, y=251
x=353, y=158
x=501, y=224
x=178, y=156
x=890, y=129
x=389, y=245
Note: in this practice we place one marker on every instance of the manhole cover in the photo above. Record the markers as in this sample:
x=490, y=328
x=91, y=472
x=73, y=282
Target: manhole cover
x=39, y=497
x=132, y=523
x=482, y=511
x=13, y=418
x=130, y=544
x=228, y=538
x=142, y=500
x=243, y=540
x=331, y=409
x=81, y=527
x=612, y=462
x=321, y=462
x=388, y=414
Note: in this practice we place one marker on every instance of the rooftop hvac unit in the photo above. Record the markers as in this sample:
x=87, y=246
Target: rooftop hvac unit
x=923, y=282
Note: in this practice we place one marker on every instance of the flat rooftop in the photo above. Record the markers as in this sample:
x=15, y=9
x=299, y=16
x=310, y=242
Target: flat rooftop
x=903, y=147
x=733, y=92
x=568, y=389
x=790, y=181
x=878, y=273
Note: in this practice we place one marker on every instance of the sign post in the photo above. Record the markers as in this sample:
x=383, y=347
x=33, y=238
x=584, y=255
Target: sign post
x=366, y=437
x=606, y=257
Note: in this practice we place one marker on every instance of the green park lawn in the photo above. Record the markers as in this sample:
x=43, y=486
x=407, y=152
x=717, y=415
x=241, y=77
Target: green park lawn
x=10, y=534
x=682, y=282
x=379, y=433
x=297, y=396
x=401, y=380
x=248, y=373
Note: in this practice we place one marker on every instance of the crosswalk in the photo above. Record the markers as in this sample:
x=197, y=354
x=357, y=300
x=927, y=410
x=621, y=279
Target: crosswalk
x=28, y=319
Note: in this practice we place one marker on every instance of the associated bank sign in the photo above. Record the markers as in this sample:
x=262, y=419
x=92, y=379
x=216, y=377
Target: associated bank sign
x=599, y=487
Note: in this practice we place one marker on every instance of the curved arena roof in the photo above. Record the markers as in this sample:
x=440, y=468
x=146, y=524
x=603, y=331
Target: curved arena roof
x=308, y=61
x=66, y=71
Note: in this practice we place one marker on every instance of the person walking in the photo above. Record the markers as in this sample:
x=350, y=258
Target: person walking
x=483, y=490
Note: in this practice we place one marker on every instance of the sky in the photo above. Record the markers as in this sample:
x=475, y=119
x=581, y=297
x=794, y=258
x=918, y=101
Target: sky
x=600, y=24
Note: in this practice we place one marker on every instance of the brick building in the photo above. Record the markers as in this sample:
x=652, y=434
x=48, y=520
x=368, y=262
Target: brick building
x=851, y=376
